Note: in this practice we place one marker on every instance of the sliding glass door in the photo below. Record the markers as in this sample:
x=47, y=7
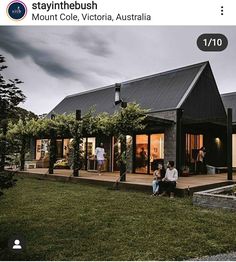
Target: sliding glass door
x=156, y=150
x=149, y=151
x=141, y=154
x=192, y=144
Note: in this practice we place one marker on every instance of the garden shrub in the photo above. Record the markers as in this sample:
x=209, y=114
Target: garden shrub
x=7, y=180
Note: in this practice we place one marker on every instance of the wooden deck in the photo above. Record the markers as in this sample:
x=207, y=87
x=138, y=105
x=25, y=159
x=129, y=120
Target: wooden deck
x=185, y=185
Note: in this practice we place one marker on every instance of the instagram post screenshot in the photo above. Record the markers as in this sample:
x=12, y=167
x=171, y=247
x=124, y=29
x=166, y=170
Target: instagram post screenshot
x=117, y=130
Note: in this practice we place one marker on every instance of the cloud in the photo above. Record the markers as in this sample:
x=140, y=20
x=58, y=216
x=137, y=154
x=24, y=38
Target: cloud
x=62, y=53
x=11, y=42
x=61, y=60
x=94, y=42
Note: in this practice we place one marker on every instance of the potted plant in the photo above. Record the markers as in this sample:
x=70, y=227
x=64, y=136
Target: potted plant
x=185, y=171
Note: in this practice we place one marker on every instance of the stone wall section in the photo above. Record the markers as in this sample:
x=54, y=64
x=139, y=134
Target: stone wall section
x=169, y=136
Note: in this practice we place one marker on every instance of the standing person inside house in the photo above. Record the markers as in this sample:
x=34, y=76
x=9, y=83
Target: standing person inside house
x=100, y=156
x=158, y=175
x=168, y=184
x=201, y=160
x=143, y=157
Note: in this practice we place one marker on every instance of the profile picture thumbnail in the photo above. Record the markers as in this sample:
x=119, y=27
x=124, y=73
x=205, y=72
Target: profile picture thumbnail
x=16, y=10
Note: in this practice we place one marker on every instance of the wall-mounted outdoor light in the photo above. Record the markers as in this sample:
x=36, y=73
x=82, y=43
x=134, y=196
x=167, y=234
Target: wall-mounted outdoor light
x=218, y=142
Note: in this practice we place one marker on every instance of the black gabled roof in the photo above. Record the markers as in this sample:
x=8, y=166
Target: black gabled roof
x=229, y=100
x=157, y=92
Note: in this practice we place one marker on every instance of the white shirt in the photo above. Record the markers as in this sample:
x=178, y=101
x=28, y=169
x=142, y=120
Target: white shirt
x=171, y=174
x=99, y=152
x=201, y=156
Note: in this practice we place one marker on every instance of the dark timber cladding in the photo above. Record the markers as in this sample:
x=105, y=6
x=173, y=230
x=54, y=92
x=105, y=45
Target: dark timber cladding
x=229, y=101
x=204, y=102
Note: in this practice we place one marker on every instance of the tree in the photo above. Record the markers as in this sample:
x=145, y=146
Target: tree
x=123, y=122
x=126, y=121
x=10, y=97
x=90, y=124
x=21, y=113
x=59, y=126
x=48, y=128
x=6, y=181
x=19, y=134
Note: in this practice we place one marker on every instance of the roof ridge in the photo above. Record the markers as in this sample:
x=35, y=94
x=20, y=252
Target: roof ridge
x=140, y=78
x=90, y=91
x=167, y=72
x=192, y=85
x=228, y=94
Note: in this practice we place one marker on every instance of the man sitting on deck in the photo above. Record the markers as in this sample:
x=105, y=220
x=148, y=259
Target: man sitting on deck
x=168, y=184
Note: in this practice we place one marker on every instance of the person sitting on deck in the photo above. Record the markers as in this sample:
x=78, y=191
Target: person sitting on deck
x=168, y=184
x=158, y=175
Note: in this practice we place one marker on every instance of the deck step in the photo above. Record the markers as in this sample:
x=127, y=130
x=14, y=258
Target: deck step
x=121, y=185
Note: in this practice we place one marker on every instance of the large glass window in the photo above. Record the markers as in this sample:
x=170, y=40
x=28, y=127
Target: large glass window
x=129, y=147
x=91, y=144
x=141, y=154
x=156, y=150
x=59, y=149
x=234, y=150
x=68, y=152
x=149, y=152
x=117, y=151
x=42, y=149
x=67, y=148
x=193, y=143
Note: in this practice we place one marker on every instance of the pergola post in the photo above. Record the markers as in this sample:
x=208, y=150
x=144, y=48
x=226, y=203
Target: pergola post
x=123, y=166
x=52, y=152
x=179, y=114
x=229, y=144
x=77, y=137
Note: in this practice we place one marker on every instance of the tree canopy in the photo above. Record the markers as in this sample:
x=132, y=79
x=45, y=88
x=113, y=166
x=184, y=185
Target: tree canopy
x=10, y=97
x=125, y=121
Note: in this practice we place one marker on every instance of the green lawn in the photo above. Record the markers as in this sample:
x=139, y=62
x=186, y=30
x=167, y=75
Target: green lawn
x=63, y=221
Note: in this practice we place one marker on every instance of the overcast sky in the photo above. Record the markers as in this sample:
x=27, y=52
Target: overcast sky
x=54, y=62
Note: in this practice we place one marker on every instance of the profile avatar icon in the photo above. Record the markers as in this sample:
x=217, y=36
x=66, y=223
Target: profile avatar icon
x=17, y=244
x=17, y=10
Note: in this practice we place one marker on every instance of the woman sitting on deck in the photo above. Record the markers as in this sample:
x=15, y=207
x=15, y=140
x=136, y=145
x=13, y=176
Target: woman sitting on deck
x=158, y=175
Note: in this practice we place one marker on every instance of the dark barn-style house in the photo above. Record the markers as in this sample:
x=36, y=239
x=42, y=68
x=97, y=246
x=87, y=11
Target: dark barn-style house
x=186, y=113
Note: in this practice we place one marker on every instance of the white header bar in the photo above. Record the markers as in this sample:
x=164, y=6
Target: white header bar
x=117, y=12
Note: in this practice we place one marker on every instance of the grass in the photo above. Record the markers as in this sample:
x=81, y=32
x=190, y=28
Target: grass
x=63, y=221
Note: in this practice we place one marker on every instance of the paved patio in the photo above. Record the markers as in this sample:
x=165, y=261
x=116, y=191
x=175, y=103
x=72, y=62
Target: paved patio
x=187, y=185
